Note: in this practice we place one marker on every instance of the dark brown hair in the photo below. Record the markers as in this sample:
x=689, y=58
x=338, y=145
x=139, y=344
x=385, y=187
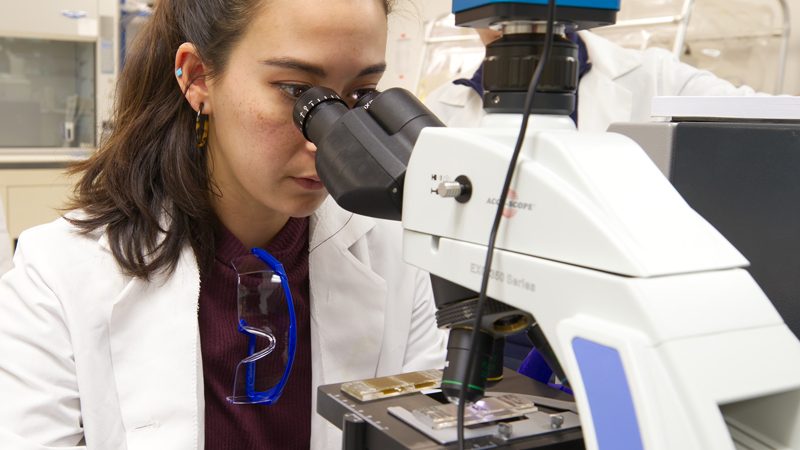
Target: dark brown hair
x=148, y=184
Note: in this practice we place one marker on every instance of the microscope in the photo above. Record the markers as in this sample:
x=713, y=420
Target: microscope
x=635, y=300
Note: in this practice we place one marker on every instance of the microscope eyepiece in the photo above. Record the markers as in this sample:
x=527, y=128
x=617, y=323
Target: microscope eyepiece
x=316, y=110
x=365, y=99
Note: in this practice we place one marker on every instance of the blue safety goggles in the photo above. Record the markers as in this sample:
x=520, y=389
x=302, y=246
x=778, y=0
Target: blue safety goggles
x=266, y=316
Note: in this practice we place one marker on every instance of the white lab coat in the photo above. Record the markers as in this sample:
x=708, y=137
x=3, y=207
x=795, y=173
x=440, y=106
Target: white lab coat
x=619, y=87
x=93, y=358
x=5, y=243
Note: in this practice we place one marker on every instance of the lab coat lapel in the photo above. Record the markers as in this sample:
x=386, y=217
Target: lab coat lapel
x=601, y=98
x=154, y=344
x=602, y=102
x=347, y=297
x=456, y=96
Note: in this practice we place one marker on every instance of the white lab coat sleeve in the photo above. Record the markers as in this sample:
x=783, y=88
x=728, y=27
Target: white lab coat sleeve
x=702, y=82
x=685, y=80
x=426, y=343
x=40, y=406
x=5, y=243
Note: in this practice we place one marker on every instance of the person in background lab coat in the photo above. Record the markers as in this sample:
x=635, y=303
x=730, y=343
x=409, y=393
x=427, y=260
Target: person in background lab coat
x=615, y=85
x=5, y=243
x=119, y=321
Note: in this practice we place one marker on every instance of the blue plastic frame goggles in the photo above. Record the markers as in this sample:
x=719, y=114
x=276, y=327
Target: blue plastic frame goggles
x=267, y=317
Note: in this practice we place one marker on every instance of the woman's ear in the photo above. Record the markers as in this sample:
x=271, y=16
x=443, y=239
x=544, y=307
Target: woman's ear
x=191, y=75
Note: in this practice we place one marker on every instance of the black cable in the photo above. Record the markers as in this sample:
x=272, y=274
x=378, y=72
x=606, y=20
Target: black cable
x=548, y=45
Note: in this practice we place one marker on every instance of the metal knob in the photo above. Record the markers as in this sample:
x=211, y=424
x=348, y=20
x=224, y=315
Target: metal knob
x=505, y=431
x=459, y=189
x=449, y=189
x=556, y=421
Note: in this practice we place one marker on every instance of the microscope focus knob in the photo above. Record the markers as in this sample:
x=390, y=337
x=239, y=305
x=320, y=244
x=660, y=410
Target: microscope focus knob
x=459, y=189
x=449, y=189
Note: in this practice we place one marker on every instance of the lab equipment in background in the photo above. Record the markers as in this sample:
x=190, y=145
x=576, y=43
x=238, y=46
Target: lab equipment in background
x=134, y=14
x=743, y=41
x=47, y=98
x=647, y=307
x=69, y=120
x=58, y=65
x=59, y=69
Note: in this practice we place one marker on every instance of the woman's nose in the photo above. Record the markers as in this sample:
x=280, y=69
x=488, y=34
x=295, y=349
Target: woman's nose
x=310, y=146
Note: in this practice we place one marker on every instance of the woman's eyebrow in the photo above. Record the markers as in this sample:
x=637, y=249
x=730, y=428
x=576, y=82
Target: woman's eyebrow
x=296, y=64
x=373, y=69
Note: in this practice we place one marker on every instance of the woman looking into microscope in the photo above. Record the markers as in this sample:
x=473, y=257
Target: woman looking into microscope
x=123, y=320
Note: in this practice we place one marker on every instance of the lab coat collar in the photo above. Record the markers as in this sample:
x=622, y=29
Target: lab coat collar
x=348, y=302
x=99, y=234
x=609, y=58
x=602, y=98
x=330, y=221
x=102, y=234
x=345, y=294
x=104, y=242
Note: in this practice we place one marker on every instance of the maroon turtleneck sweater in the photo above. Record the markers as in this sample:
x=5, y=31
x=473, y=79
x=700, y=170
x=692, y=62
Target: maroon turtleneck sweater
x=286, y=424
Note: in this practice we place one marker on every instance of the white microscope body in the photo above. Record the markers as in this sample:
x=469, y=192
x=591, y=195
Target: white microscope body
x=667, y=341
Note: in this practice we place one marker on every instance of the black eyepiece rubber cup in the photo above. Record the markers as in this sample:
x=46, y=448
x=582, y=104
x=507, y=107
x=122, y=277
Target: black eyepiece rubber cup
x=316, y=110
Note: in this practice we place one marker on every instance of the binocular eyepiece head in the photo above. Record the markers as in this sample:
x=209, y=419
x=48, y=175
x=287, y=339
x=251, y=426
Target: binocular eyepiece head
x=362, y=153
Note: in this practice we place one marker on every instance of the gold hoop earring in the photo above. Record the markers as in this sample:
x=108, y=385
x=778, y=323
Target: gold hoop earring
x=201, y=128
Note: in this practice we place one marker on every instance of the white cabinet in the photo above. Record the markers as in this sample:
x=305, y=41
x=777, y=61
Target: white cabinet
x=51, y=19
x=33, y=196
x=58, y=64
